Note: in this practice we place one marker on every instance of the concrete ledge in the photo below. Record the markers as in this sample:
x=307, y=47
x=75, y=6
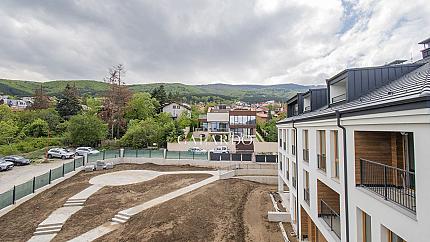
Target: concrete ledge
x=226, y=174
x=256, y=172
x=271, y=180
x=278, y=216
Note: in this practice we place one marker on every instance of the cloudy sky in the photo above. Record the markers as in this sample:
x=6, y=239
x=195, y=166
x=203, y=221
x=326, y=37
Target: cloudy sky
x=206, y=41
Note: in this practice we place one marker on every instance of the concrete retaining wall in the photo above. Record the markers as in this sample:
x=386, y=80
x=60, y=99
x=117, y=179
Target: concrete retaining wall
x=265, y=147
x=278, y=216
x=271, y=180
x=256, y=172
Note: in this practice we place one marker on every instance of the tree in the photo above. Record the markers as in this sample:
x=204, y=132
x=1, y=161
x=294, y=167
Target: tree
x=6, y=112
x=115, y=101
x=159, y=93
x=68, y=102
x=141, y=134
x=38, y=128
x=141, y=106
x=49, y=115
x=8, y=131
x=86, y=130
x=184, y=120
x=41, y=101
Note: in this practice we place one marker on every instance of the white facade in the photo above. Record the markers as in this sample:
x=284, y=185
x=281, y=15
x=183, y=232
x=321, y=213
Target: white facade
x=175, y=109
x=385, y=215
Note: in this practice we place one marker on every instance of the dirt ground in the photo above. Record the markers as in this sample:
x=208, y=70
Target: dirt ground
x=104, y=204
x=20, y=223
x=226, y=210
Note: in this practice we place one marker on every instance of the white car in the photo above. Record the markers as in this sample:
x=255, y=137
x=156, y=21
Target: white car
x=86, y=150
x=60, y=153
x=221, y=150
x=196, y=150
x=5, y=165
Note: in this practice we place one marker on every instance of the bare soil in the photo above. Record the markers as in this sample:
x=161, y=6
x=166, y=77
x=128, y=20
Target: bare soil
x=226, y=210
x=20, y=223
x=104, y=204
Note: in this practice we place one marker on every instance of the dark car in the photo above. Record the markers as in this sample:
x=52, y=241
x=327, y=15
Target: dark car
x=17, y=160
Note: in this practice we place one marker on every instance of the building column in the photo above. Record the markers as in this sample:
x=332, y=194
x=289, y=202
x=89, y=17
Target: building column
x=280, y=184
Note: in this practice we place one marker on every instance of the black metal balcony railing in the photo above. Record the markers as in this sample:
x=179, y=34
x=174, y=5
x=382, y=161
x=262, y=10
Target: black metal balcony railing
x=392, y=183
x=306, y=195
x=294, y=181
x=306, y=155
x=339, y=98
x=331, y=217
x=321, y=160
x=293, y=149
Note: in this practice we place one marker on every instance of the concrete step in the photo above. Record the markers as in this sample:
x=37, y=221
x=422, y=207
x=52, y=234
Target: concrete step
x=118, y=220
x=76, y=199
x=122, y=217
x=73, y=204
x=49, y=227
x=122, y=213
x=51, y=231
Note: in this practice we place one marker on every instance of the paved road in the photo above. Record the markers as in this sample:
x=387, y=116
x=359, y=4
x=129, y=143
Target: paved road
x=21, y=174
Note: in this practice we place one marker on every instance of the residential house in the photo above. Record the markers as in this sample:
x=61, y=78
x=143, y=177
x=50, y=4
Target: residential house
x=176, y=109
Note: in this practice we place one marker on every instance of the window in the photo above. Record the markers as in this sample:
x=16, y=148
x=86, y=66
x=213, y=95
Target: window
x=366, y=227
x=287, y=168
x=306, y=195
x=293, y=142
x=334, y=137
x=287, y=138
x=280, y=137
x=294, y=180
x=306, y=145
x=392, y=237
x=321, y=146
x=280, y=161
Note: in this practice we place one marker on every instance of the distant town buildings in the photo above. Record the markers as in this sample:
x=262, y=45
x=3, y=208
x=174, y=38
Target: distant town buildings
x=17, y=103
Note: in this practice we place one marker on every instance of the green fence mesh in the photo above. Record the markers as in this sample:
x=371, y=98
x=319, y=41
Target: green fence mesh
x=172, y=155
x=56, y=173
x=24, y=189
x=6, y=199
x=68, y=167
x=131, y=153
x=108, y=154
x=41, y=181
x=95, y=157
x=79, y=161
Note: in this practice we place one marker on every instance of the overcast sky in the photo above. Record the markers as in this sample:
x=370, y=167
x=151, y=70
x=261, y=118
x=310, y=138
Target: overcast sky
x=206, y=41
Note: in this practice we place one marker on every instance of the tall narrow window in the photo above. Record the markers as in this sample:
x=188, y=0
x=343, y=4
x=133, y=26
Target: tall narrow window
x=287, y=138
x=293, y=142
x=294, y=180
x=335, y=153
x=392, y=237
x=306, y=196
x=321, y=156
x=367, y=227
x=305, y=145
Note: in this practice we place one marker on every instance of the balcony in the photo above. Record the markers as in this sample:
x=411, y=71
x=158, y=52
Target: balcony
x=393, y=184
x=338, y=98
x=330, y=217
x=306, y=155
x=306, y=195
x=321, y=161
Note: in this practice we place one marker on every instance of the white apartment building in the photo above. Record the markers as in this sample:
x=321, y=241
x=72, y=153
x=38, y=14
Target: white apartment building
x=358, y=167
x=176, y=109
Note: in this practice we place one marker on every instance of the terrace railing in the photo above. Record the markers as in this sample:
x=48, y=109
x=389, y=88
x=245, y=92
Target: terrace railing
x=321, y=161
x=331, y=217
x=392, y=183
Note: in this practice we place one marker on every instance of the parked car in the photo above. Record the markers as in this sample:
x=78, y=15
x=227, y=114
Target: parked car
x=221, y=150
x=17, y=160
x=86, y=150
x=60, y=153
x=5, y=165
x=196, y=150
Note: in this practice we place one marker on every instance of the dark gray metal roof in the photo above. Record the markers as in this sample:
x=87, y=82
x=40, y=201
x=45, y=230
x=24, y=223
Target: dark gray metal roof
x=425, y=41
x=415, y=84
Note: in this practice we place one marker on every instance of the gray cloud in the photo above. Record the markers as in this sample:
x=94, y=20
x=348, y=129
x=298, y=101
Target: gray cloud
x=197, y=41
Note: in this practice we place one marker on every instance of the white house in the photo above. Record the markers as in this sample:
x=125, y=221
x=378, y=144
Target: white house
x=176, y=109
x=358, y=168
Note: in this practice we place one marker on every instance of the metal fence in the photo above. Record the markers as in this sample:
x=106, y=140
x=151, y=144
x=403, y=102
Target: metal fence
x=230, y=156
x=19, y=191
x=186, y=155
x=102, y=155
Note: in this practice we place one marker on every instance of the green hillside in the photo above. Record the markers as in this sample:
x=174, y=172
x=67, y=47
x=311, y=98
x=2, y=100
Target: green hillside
x=247, y=93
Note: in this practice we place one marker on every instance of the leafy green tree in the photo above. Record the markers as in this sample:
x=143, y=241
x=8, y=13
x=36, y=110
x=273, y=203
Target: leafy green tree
x=160, y=95
x=8, y=131
x=184, y=120
x=141, y=134
x=141, y=106
x=38, y=128
x=6, y=112
x=68, y=103
x=50, y=115
x=86, y=130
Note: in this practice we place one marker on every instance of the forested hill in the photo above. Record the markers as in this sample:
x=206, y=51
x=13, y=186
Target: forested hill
x=190, y=93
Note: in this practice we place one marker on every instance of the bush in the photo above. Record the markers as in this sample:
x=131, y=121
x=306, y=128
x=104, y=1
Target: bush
x=38, y=128
x=29, y=145
x=86, y=130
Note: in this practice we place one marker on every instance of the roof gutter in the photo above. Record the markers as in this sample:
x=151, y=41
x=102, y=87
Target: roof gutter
x=297, y=180
x=345, y=173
